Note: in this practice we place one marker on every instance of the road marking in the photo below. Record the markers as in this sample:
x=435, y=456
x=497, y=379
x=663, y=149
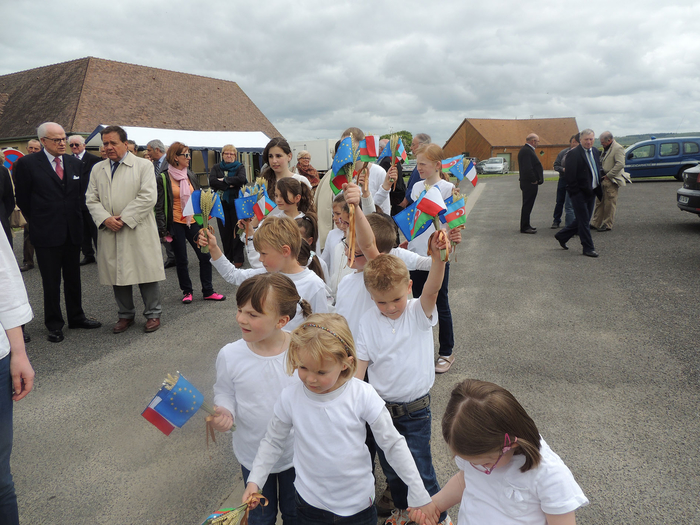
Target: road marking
x=473, y=197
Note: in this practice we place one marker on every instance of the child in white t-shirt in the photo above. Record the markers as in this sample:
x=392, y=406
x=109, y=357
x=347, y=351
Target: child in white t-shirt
x=250, y=375
x=507, y=472
x=278, y=240
x=328, y=412
x=395, y=347
x=308, y=226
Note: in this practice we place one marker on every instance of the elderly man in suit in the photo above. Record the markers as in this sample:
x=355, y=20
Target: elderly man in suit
x=614, y=176
x=531, y=176
x=583, y=184
x=88, y=160
x=49, y=191
x=121, y=197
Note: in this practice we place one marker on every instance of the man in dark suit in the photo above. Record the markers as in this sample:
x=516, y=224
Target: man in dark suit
x=50, y=191
x=156, y=149
x=77, y=148
x=583, y=185
x=531, y=176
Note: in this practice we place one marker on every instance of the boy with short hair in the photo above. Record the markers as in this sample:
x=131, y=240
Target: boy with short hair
x=278, y=240
x=394, y=345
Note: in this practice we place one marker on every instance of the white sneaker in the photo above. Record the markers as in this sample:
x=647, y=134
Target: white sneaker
x=446, y=521
x=398, y=517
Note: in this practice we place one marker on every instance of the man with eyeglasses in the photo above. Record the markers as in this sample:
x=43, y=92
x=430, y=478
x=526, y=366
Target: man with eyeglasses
x=121, y=197
x=88, y=160
x=49, y=191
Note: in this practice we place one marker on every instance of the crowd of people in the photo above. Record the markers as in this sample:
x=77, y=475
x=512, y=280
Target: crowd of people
x=337, y=350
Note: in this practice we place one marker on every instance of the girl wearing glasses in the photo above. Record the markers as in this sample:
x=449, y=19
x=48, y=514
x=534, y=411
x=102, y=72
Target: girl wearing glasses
x=174, y=189
x=508, y=474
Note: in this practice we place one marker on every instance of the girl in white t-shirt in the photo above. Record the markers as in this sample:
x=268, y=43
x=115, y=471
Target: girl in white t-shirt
x=294, y=198
x=278, y=155
x=508, y=474
x=328, y=411
x=251, y=374
x=308, y=226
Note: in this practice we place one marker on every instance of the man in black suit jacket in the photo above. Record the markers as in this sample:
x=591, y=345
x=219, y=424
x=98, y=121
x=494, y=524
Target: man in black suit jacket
x=88, y=160
x=50, y=191
x=531, y=176
x=582, y=171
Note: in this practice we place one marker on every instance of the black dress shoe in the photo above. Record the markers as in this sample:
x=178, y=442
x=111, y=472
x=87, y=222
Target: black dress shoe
x=26, y=267
x=603, y=229
x=561, y=243
x=55, y=336
x=170, y=263
x=88, y=259
x=529, y=230
x=591, y=253
x=86, y=323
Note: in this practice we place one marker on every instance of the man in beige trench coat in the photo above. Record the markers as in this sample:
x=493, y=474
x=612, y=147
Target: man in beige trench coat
x=121, y=196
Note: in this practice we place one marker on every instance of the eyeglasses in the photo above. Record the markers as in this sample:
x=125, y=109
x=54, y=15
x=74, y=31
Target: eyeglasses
x=56, y=141
x=357, y=255
x=507, y=445
x=186, y=155
x=228, y=154
x=75, y=144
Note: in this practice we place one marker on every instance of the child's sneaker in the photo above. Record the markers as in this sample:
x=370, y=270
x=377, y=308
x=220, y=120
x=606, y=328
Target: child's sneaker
x=446, y=521
x=398, y=517
x=187, y=299
x=215, y=297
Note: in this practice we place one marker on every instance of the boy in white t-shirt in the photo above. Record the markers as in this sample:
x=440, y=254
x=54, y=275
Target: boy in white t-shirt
x=395, y=347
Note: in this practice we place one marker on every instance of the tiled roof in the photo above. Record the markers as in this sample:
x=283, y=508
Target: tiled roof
x=84, y=93
x=507, y=132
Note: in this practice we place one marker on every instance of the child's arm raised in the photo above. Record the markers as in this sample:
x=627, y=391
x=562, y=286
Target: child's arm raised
x=433, y=283
x=448, y=497
x=365, y=237
x=228, y=271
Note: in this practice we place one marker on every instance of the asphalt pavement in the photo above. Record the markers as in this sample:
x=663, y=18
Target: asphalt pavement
x=602, y=353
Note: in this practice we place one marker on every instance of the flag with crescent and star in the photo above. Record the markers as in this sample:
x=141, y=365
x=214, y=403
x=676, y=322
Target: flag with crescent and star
x=455, y=214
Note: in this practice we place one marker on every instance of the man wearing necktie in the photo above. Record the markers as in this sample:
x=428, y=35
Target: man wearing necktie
x=49, y=191
x=77, y=148
x=582, y=171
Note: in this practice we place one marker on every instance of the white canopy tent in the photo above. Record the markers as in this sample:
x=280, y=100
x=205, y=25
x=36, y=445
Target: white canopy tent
x=245, y=141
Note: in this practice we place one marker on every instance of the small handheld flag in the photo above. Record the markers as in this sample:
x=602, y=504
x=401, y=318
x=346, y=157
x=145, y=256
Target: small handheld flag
x=244, y=207
x=399, y=151
x=369, y=148
x=343, y=164
x=455, y=214
x=264, y=205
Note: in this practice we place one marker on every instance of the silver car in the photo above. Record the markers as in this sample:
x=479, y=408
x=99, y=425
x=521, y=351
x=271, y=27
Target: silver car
x=496, y=165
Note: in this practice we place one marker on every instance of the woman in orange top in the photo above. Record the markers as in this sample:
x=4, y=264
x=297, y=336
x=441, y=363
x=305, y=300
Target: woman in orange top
x=174, y=189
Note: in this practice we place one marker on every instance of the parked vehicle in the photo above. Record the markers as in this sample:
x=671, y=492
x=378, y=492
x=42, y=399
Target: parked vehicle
x=668, y=157
x=495, y=165
x=688, y=197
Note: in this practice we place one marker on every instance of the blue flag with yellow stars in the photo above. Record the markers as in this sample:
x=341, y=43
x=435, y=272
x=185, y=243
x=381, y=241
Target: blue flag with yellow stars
x=342, y=166
x=217, y=210
x=244, y=206
x=412, y=222
x=179, y=404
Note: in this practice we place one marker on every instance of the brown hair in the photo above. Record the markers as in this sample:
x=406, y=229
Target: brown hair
x=385, y=272
x=287, y=185
x=308, y=224
x=480, y=414
x=268, y=174
x=323, y=336
x=277, y=232
x=384, y=231
x=356, y=133
x=173, y=151
x=285, y=297
x=312, y=263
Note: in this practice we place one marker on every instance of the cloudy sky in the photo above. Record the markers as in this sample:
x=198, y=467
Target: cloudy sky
x=315, y=67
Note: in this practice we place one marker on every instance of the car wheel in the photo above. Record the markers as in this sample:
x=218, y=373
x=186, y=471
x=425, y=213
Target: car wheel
x=679, y=175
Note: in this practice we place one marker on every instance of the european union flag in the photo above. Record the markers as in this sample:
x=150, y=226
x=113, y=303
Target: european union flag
x=179, y=404
x=244, y=206
x=410, y=222
x=217, y=210
x=343, y=156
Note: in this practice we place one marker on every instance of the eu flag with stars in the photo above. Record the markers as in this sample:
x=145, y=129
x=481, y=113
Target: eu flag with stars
x=342, y=165
x=179, y=404
x=217, y=210
x=409, y=221
x=244, y=206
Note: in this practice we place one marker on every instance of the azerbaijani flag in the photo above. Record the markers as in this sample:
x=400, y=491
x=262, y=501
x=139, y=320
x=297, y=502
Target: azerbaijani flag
x=264, y=205
x=400, y=151
x=369, y=148
x=448, y=164
x=411, y=221
x=455, y=214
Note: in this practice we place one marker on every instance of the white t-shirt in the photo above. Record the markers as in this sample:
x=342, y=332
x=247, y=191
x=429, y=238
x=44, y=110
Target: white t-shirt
x=412, y=260
x=397, y=350
x=14, y=307
x=333, y=239
x=339, y=267
x=353, y=301
x=249, y=385
x=311, y=288
x=377, y=175
x=508, y=496
x=419, y=245
x=331, y=460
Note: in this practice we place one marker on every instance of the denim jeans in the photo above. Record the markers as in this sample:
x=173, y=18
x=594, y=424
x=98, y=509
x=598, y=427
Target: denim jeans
x=183, y=234
x=563, y=204
x=415, y=427
x=279, y=491
x=309, y=515
x=446, y=335
x=8, y=499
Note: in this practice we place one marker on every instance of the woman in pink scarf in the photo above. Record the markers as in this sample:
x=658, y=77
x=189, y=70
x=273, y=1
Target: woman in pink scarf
x=175, y=186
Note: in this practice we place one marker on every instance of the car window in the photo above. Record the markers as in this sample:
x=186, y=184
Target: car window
x=668, y=149
x=644, y=152
x=690, y=147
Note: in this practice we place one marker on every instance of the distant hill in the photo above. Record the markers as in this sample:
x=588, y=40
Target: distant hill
x=628, y=140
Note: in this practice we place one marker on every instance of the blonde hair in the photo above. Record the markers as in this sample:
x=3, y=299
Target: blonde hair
x=323, y=336
x=229, y=147
x=385, y=272
x=277, y=232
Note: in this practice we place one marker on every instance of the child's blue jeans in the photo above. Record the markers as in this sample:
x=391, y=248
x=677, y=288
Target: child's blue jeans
x=279, y=491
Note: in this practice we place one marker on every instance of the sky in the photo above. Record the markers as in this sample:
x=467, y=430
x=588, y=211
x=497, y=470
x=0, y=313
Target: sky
x=316, y=67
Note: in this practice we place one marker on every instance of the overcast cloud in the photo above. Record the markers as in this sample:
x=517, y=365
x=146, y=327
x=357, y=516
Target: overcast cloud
x=316, y=67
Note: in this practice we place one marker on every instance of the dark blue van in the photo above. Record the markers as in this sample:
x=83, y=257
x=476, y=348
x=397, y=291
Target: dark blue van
x=662, y=157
